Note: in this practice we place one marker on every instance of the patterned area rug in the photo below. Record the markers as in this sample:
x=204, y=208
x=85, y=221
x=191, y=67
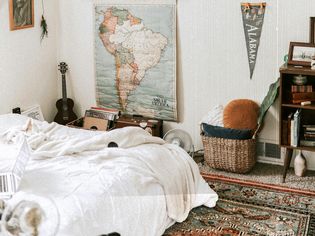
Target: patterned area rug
x=267, y=174
x=250, y=210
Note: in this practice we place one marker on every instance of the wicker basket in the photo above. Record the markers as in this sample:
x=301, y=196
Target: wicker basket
x=232, y=155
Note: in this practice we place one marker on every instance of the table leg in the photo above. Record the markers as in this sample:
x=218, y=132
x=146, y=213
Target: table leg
x=287, y=161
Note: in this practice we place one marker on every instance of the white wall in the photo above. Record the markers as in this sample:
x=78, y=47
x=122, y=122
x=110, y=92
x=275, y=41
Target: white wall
x=75, y=41
x=28, y=72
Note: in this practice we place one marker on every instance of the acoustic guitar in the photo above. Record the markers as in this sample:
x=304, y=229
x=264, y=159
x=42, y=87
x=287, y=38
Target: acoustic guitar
x=64, y=105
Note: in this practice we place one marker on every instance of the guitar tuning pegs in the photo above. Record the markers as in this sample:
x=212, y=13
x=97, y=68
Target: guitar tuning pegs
x=63, y=67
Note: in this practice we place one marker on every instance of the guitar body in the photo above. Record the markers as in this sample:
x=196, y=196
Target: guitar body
x=64, y=105
x=65, y=116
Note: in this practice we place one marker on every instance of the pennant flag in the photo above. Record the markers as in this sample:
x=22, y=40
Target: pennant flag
x=253, y=19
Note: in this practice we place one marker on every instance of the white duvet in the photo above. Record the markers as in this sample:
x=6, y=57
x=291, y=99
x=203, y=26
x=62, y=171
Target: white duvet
x=140, y=188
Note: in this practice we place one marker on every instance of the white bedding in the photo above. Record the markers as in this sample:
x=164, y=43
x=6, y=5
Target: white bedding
x=140, y=188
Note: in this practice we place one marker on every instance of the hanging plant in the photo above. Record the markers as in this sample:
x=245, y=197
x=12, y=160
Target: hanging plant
x=43, y=25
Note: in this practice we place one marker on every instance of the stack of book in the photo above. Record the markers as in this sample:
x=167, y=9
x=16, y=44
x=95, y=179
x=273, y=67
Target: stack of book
x=301, y=93
x=100, y=118
x=309, y=136
x=301, y=88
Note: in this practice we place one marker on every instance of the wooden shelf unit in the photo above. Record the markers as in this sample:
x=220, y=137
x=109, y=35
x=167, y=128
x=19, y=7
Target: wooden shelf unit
x=287, y=72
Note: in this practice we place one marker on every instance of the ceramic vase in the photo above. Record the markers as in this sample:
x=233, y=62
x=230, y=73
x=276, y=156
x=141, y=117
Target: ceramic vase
x=300, y=165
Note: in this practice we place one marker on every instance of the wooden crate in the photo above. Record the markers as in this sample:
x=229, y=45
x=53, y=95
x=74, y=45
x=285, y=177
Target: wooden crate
x=79, y=123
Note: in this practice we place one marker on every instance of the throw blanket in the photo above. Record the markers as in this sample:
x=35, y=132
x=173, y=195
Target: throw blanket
x=140, y=188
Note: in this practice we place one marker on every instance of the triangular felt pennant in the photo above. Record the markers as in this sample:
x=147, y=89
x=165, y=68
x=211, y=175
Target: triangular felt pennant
x=253, y=19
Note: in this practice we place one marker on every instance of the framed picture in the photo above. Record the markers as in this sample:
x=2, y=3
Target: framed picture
x=312, y=30
x=34, y=112
x=21, y=14
x=301, y=53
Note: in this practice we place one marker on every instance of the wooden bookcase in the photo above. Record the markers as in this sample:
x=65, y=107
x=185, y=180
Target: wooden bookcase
x=287, y=72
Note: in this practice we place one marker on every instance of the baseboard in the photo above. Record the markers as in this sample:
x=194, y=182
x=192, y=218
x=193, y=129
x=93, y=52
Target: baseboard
x=270, y=160
x=278, y=162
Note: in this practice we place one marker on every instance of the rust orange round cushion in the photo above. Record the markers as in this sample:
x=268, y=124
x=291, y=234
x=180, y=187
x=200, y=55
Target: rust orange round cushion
x=241, y=114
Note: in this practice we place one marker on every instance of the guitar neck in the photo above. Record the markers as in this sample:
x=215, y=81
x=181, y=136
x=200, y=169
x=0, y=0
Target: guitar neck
x=64, y=89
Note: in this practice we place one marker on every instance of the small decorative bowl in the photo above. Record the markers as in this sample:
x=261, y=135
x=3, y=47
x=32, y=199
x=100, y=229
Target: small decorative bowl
x=299, y=79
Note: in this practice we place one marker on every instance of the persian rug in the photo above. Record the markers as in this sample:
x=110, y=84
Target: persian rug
x=244, y=209
x=265, y=175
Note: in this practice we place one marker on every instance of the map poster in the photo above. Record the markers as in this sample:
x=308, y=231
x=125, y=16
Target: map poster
x=135, y=57
x=253, y=19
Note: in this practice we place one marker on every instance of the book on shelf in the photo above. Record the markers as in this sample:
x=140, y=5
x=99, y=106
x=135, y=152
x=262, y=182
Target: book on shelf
x=296, y=98
x=300, y=96
x=309, y=132
x=309, y=135
x=301, y=88
x=309, y=138
x=99, y=114
x=309, y=127
x=295, y=128
x=292, y=132
x=107, y=110
x=307, y=143
x=290, y=117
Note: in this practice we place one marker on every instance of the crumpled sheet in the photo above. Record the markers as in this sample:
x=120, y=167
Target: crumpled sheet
x=140, y=188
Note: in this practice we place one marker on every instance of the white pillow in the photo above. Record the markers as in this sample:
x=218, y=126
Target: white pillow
x=214, y=116
x=8, y=121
